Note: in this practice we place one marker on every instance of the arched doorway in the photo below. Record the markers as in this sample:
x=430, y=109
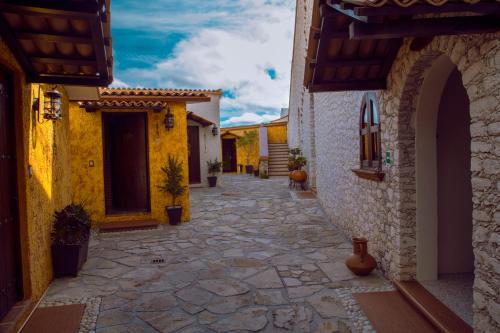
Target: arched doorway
x=445, y=260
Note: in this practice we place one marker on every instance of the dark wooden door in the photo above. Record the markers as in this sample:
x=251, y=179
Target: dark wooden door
x=194, y=154
x=126, y=163
x=10, y=281
x=229, y=163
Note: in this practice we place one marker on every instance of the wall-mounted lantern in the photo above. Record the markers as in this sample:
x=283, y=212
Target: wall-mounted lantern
x=52, y=105
x=169, y=120
x=215, y=130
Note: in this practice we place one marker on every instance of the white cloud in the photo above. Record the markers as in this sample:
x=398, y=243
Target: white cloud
x=259, y=36
x=250, y=118
x=117, y=83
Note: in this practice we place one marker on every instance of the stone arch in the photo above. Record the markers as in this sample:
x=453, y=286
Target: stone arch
x=476, y=60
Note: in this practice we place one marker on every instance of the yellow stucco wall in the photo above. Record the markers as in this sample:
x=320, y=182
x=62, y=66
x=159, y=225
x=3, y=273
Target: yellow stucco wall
x=241, y=154
x=87, y=145
x=43, y=147
x=277, y=133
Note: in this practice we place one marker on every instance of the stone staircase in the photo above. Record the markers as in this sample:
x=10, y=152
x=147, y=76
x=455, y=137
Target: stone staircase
x=278, y=159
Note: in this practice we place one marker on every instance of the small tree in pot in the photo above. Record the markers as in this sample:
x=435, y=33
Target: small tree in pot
x=70, y=240
x=214, y=167
x=248, y=143
x=173, y=184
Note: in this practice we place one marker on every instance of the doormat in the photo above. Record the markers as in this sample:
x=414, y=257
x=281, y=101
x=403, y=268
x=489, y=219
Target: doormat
x=305, y=195
x=55, y=319
x=389, y=312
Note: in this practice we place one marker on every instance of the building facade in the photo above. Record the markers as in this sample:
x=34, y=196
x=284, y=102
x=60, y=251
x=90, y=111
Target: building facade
x=119, y=145
x=204, y=137
x=411, y=161
x=35, y=174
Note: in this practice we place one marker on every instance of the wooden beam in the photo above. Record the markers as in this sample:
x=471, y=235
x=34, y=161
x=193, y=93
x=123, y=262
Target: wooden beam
x=349, y=11
x=100, y=50
x=15, y=47
x=80, y=80
x=349, y=62
x=425, y=27
x=482, y=7
x=54, y=38
x=94, y=108
x=348, y=85
x=64, y=61
x=321, y=52
x=45, y=11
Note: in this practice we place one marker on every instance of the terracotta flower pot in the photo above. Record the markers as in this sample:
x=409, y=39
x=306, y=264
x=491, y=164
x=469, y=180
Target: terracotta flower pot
x=360, y=262
x=299, y=176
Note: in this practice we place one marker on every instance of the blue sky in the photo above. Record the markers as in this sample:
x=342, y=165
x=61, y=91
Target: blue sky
x=241, y=46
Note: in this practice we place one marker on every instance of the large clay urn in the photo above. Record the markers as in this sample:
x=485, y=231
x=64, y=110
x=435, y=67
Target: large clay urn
x=360, y=262
x=299, y=176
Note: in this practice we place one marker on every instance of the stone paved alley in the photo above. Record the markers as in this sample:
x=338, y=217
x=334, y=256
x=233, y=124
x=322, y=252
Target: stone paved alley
x=253, y=258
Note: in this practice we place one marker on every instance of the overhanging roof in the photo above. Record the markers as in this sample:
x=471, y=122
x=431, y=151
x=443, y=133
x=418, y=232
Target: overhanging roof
x=353, y=43
x=60, y=42
x=200, y=120
x=142, y=98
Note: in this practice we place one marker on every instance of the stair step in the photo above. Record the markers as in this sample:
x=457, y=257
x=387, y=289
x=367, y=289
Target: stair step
x=431, y=308
x=128, y=226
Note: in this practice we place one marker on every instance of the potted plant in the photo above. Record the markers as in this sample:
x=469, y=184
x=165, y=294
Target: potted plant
x=214, y=167
x=173, y=184
x=247, y=142
x=295, y=164
x=70, y=240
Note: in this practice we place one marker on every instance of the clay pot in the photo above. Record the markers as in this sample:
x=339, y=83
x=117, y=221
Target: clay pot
x=360, y=262
x=299, y=176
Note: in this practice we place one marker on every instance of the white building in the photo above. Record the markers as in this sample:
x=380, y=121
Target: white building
x=203, y=137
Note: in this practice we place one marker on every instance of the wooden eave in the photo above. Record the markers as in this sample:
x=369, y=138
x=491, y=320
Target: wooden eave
x=200, y=120
x=353, y=46
x=60, y=42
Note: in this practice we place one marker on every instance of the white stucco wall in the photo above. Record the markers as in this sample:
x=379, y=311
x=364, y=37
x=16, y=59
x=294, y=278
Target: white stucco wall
x=210, y=147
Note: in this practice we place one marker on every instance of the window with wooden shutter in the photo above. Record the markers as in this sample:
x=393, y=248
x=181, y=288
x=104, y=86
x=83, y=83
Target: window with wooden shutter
x=369, y=139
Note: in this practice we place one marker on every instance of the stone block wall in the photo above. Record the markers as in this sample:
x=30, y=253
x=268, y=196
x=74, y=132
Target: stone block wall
x=326, y=127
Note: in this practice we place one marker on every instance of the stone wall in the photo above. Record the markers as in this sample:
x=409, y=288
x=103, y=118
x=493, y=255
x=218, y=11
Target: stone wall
x=301, y=114
x=385, y=212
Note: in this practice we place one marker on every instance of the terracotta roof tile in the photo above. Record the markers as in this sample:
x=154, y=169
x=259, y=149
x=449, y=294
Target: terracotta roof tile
x=114, y=104
x=149, y=92
x=404, y=3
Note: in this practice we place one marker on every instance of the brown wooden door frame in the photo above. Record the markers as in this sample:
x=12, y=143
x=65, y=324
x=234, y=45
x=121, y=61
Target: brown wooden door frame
x=194, y=155
x=107, y=117
x=11, y=280
x=233, y=165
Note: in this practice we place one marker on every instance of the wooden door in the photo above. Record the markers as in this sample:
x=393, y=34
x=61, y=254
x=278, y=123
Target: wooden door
x=229, y=163
x=10, y=277
x=126, y=163
x=194, y=154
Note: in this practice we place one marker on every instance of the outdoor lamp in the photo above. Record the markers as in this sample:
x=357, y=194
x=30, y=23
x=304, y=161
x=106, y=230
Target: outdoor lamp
x=169, y=120
x=52, y=105
x=215, y=130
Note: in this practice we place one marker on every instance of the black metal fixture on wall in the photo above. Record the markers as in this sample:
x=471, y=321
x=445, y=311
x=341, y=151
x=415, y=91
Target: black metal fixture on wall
x=215, y=130
x=169, y=119
x=52, y=105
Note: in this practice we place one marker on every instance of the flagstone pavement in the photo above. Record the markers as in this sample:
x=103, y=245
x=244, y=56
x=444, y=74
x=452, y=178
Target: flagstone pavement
x=254, y=258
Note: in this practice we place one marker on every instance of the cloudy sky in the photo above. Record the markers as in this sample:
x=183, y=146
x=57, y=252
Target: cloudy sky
x=241, y=46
